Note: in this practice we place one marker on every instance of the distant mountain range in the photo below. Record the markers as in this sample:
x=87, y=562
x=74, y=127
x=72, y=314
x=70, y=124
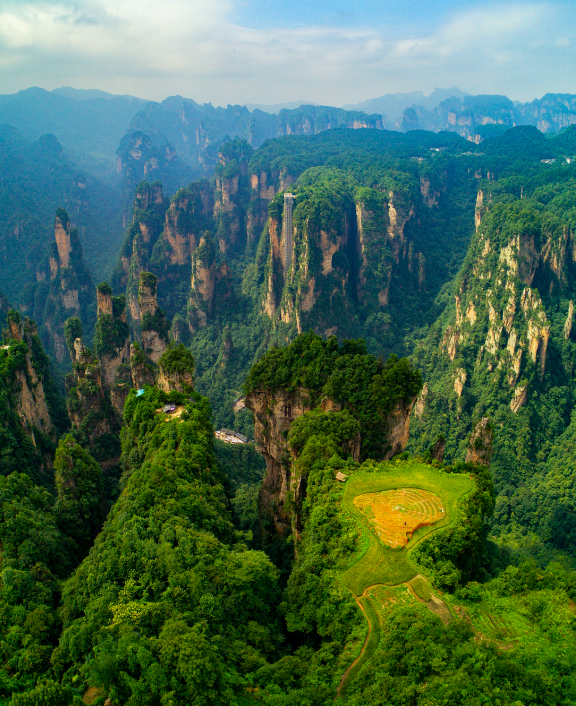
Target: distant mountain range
x=393, y=104
x=90, y=124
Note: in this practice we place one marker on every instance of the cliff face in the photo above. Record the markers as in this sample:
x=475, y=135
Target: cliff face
x=162, y=239
x=93, y=417
x=112, y=345
x=231, y=195
x=70, y=291
x=141, y=239
x=274, y=414
x=141, y=369
x=31, y=403
x=176, y=371
x=185, y=221
x=382, y=243
x=480, y=444
x=497, y=299
x=153, y=322
x=32, y=413
x=343, y=260
x=501, y=345
x=305, y=288
x=202, y=284
x=197, y=131
x=139, y=158
x=476, y=117
x=359, y=258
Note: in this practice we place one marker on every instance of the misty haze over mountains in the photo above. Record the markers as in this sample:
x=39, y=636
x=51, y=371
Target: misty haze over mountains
x=90, y=123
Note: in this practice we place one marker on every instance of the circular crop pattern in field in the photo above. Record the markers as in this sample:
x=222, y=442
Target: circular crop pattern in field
x=395, y=515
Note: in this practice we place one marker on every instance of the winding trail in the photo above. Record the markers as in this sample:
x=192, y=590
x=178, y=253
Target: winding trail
x=355, y=662
x=387, y=508
x=435, y=605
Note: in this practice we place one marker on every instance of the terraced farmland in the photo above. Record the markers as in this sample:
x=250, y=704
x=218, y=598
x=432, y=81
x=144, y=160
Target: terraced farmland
x=396, y=505
x=396, y=514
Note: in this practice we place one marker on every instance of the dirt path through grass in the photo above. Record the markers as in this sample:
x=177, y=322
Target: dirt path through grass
x=355, y=662
x=379, y=566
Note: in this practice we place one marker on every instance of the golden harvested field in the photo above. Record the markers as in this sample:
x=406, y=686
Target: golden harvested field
x=394, y=515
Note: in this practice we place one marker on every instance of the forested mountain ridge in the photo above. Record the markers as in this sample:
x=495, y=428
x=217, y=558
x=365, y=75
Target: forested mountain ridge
x=504, y=347
x=460, y=255
x=473, y=117
x=329, y=386
x=121, y=141
x=381, y=223
x=171, y=604
x=89, y=130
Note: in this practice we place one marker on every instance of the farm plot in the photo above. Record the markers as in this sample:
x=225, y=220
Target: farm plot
x=430, y=498
x=397, y=505
x=394, y=515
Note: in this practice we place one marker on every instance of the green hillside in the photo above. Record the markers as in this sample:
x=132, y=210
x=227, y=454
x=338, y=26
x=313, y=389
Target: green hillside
x=366, y=529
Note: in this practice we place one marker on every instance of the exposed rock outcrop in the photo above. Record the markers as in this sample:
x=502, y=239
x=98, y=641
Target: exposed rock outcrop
x=203, y=283
x=186, y=220
x=141, y=369
x=153, y=321
x=71, y=290
x=569, y=321
x=480, y=444
x=520, y=395
x=176, y=370
x=93, y=417
x=274, y=414
x=231, y=194
x=31, y=402
x=112, y=336
x=438, y=448
x=421, y=401
x=273, y=417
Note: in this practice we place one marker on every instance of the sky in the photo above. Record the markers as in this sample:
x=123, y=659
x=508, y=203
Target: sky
x=259, y=51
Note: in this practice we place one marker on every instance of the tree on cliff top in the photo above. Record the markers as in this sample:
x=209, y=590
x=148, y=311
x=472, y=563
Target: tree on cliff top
x=81, y=504
x=347, y=374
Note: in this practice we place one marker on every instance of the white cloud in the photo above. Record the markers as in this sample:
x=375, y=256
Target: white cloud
x=154, y=49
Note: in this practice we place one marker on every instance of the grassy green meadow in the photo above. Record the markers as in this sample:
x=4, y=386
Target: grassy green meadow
x=377, y=563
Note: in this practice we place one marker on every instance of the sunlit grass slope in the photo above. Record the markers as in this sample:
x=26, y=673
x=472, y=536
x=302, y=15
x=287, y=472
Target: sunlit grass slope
x=378, y=563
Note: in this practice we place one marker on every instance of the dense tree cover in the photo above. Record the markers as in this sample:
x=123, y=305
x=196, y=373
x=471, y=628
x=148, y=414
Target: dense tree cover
x=37, y=555
x=526, y=658
x=41, y=541
x=173, y=604
x=81, y=503
x=243, y=469
x=168, y=578
x=456, y=555
x=347, y=374
x=536, y=209
x=332, y=174
x=89, y=127
x=419, y=660
x=338, y=172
